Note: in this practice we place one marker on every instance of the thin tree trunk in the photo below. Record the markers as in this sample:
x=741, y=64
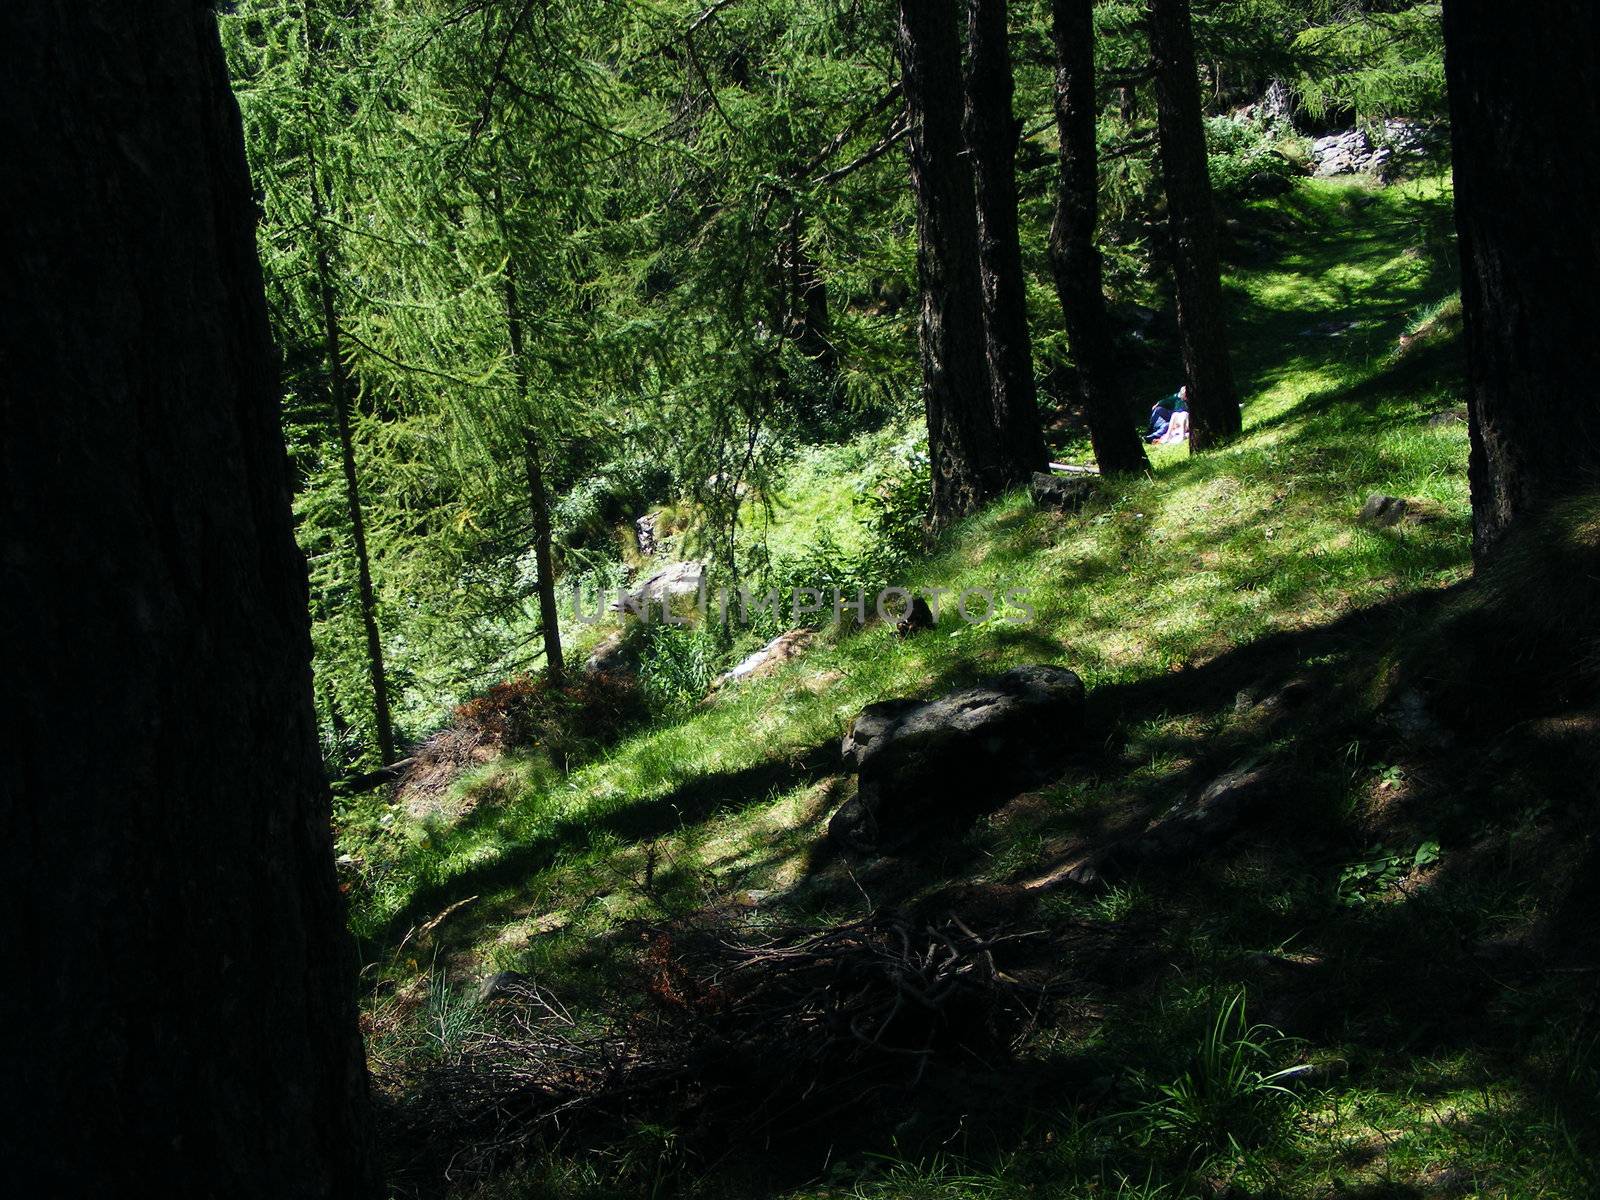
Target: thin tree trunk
x=808, y=323
x=992, y=131
x=185, y=1020
x=538, y=499
x=962, y=438
x=1521, y=84
x=1214, y=415
x=339, y=391
x=1074, y=254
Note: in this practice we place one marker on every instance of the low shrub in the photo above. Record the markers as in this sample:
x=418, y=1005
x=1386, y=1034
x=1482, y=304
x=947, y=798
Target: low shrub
x=569, y=722
x=1248, y=161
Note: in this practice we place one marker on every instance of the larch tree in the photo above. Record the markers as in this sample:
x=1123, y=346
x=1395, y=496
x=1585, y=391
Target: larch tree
x=1214, y=414
x=1075, y=258
x=992, y=132
x=1520, y=84
x=187, y=1026
x=963, y=441
x=298, y=67
x=532, y=452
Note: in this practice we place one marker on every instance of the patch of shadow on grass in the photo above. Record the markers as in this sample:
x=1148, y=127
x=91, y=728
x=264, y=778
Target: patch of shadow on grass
x=694, y=801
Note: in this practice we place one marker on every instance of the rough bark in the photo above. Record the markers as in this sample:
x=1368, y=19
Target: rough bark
x=992, y=132
x=183, y=1011
x=962, y=438
x=1075, y=255
x=1524, y=88
x=1214, y=415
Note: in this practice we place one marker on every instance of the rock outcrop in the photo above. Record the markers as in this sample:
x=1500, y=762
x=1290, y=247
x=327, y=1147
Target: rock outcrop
x=1355, y=152
x=770, y=657
x=671, y=581
x=1065, y=493
x=1185, y=831
x=923, y=765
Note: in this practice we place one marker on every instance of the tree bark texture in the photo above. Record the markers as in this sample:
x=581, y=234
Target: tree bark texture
x=1214, y=415
x=992, y=132
x=962, y=438
x=181, y=1004
x=1075, y=256
x=1524, y=102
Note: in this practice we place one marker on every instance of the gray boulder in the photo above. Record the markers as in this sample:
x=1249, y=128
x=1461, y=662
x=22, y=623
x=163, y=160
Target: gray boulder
x=1068, y=493
x=1189, y=828
x=1386, y=512
x=670, y=582
x=770, y=657
x=926, y=764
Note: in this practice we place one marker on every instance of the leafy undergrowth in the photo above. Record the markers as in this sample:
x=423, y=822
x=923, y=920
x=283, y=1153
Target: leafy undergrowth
x=1408, y=1033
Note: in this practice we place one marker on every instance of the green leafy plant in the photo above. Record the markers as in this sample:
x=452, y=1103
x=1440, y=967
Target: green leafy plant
x=1363, y=881
x=678, y=664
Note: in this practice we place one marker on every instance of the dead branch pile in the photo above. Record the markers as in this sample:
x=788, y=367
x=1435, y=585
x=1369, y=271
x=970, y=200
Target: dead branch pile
x=739, y=1030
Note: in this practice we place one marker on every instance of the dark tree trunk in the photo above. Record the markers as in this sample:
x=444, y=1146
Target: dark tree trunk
x=1214, y=415
x=555, y=667
x=1524, y=89
x=339, y=393
x=992, y=132
x=807, y=319
x=1074, y=253
x=962, y=438
x=183, y=1013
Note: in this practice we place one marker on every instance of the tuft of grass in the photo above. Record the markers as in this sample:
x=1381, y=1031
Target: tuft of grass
x=1230, y=1097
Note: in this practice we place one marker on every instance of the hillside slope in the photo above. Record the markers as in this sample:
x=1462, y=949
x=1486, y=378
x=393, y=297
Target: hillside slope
x=1228, y=612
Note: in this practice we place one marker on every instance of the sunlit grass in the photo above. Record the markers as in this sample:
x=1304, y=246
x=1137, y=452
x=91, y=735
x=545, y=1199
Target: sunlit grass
x=724, y=803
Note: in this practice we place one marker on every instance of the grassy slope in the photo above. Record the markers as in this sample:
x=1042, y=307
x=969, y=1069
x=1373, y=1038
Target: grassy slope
x=1226, y=570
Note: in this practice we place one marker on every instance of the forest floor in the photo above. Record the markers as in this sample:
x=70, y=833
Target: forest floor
x=1386, y=924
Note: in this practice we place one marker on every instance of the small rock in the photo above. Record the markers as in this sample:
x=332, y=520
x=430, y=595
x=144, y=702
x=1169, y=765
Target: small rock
x=1412, y=719
x=1187, y=828
x=1447, y=1181
x=1292, y=695
x=1065, y=493
x=645, y=526
x=1386, y=512
x=550, y=922
x=1220, y=810
x=674, y=579
x=770, y=657
x=502, y=983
